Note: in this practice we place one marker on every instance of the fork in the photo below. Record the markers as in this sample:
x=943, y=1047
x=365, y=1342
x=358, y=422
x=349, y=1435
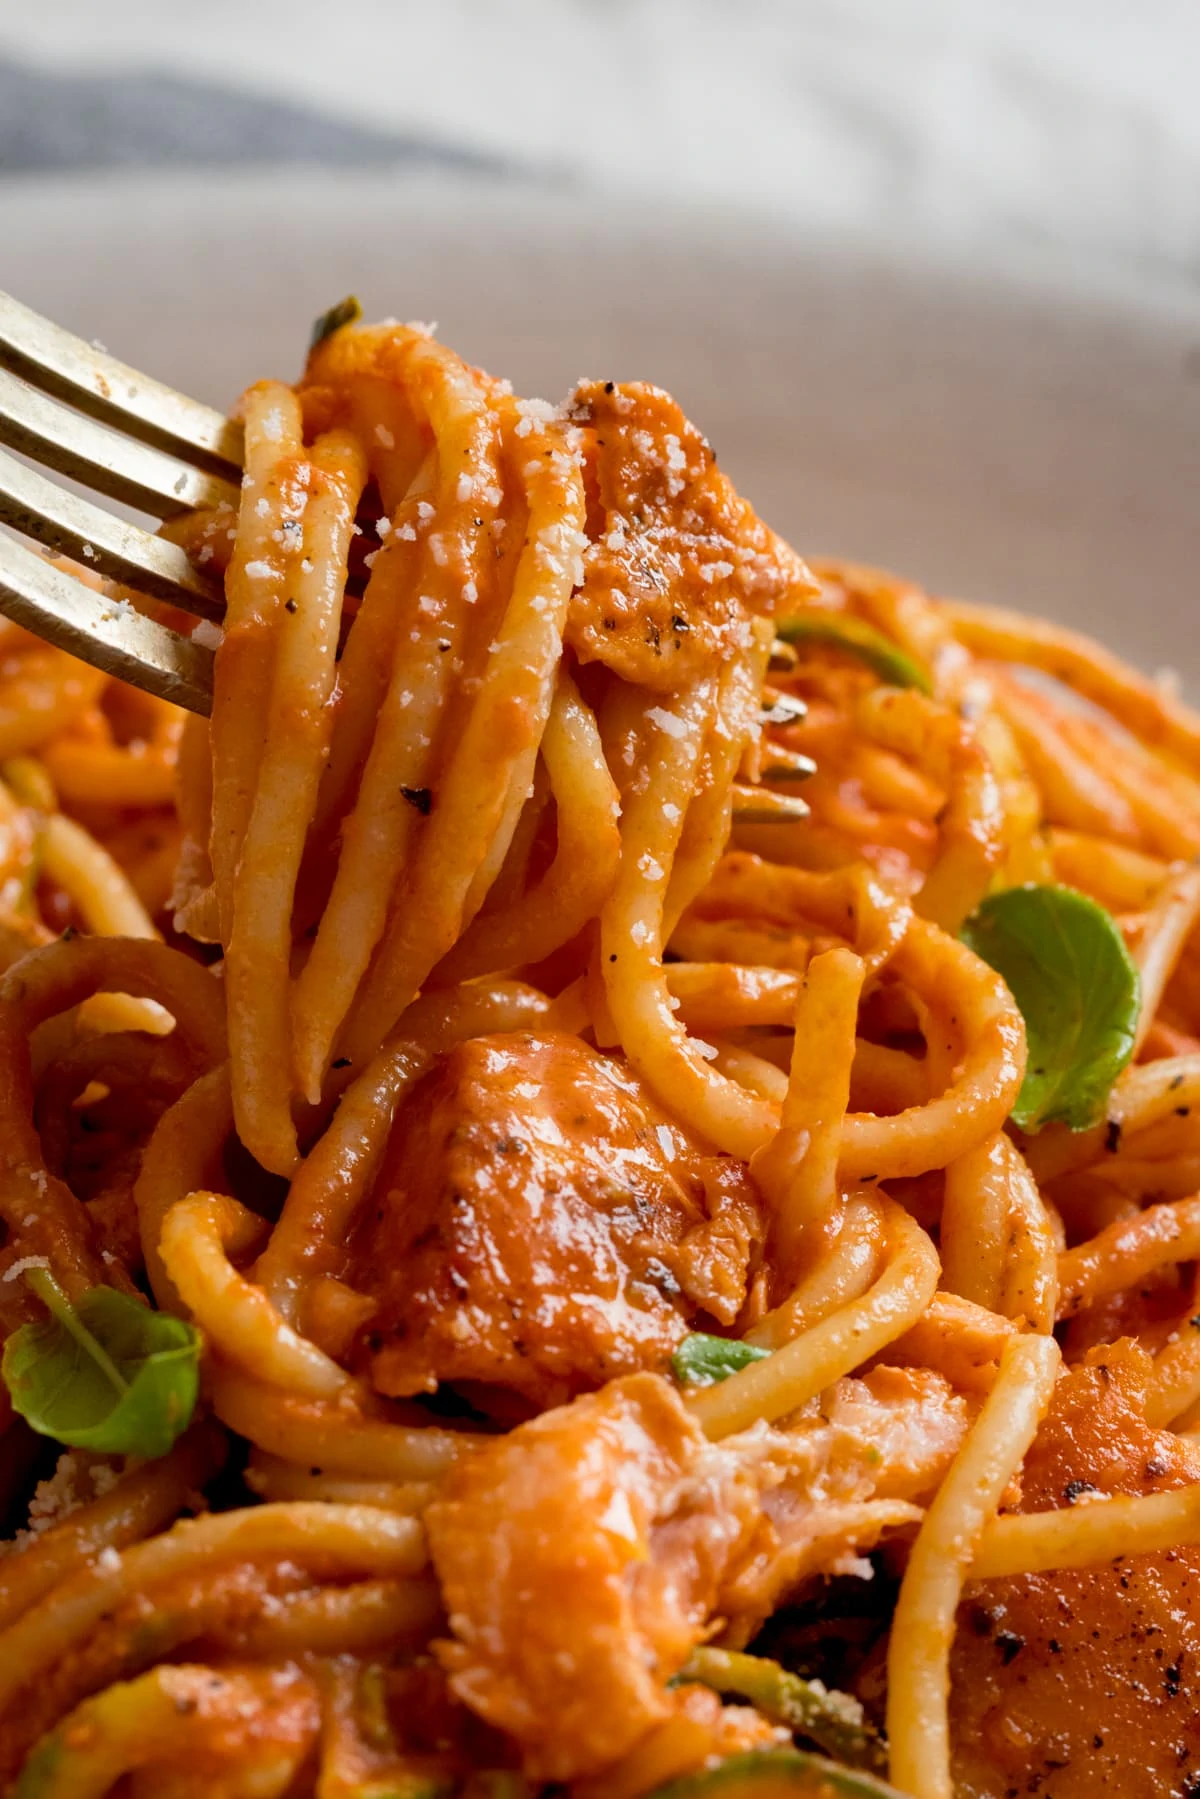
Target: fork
x=133, y=440
x=76, y=410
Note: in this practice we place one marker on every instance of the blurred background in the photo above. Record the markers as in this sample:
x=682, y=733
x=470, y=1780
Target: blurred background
x=928, y=271
x=1067, y=122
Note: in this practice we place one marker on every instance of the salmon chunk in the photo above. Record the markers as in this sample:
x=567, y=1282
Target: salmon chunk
x=1086, y=1681
x=540, y=1225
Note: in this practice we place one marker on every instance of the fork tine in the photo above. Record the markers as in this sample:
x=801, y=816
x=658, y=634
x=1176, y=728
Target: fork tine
x=766, y=806
x=108, y=633
x=118, y=466
x=96, y=383
x=62, y=521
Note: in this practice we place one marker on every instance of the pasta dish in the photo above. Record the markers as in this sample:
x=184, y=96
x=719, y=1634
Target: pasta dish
x=599, y=1170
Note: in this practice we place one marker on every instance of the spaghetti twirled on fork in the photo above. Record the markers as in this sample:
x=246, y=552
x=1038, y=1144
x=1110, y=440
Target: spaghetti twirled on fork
x=603, y=1221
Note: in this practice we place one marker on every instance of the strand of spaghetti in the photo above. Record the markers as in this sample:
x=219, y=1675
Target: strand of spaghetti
x=1122, y=879
x=1174, y=1385
x=435, y=620
x=631, y=948
x=329, y=1541
x=193, y=899
x=971, y=821
x=45, y=694
x=199, y=1235
x=262, y=1724
x=332, y=1182
x=997, y=1238
x=724, y=995
x=259, y=946
x=361, y=1619
x=801, y=1369
x=1145, y=1094
x=109, y=774
x=797, y=1170
x=1085, y=1536
x=988, y=1079
x=331, y=1435
x=757, y=1074
x=100, y=890
x=43, y=1215
x=1126, y=1252
x=844, y=1273
x=514, y=877
x=918, y=1724
x=335, y=1177
x=1074, y=791
x=1165, y=803
x=807, y=901
x=586, y=857
x=1168, y=926
x=485, y=783
x=369, y=656
x=274, y=492
x=734, y=733
x=1139, y=704
x=184, y=1153
x=889, y=1080
x=142, y=1503
x=271, y=1477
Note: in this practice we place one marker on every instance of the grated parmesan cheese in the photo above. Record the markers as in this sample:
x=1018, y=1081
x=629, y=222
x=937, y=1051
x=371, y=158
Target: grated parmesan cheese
x=384, y=436
x=17, y=1268
x=207, y=634
x=670, y=722
x=259, y=571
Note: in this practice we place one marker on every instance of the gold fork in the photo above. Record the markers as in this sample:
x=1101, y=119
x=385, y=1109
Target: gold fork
x=74, y=409
x=130, y=439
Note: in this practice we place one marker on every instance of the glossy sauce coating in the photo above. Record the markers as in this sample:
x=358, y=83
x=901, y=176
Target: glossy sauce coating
x=1083, y=1682
x=677, y=559
x=541, y=1225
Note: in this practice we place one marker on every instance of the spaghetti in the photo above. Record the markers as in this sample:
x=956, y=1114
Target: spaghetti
x=603, y=1219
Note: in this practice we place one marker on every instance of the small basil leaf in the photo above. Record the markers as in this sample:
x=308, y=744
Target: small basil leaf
x=346, y=312
x=107, y=1374
x=702, y=1361
x=889, y=662
x=1065, y=963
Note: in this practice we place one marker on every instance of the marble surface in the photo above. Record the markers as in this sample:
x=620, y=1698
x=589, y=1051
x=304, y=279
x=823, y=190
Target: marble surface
x=1065, y=126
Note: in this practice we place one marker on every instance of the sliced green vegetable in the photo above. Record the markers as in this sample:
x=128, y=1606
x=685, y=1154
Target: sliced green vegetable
x=346, y=312
x=702, y=1361
x=888, y=661
x=776, y=1774
x=832, y=1720
x=1065, y=963
x=108, y=1374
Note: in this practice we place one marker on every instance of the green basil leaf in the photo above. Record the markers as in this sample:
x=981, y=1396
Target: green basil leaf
x=346, y=312
x=1065, y=963
x=702, y=1361
x=832, y=1720
x=889, y=662
x=107, y=1374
